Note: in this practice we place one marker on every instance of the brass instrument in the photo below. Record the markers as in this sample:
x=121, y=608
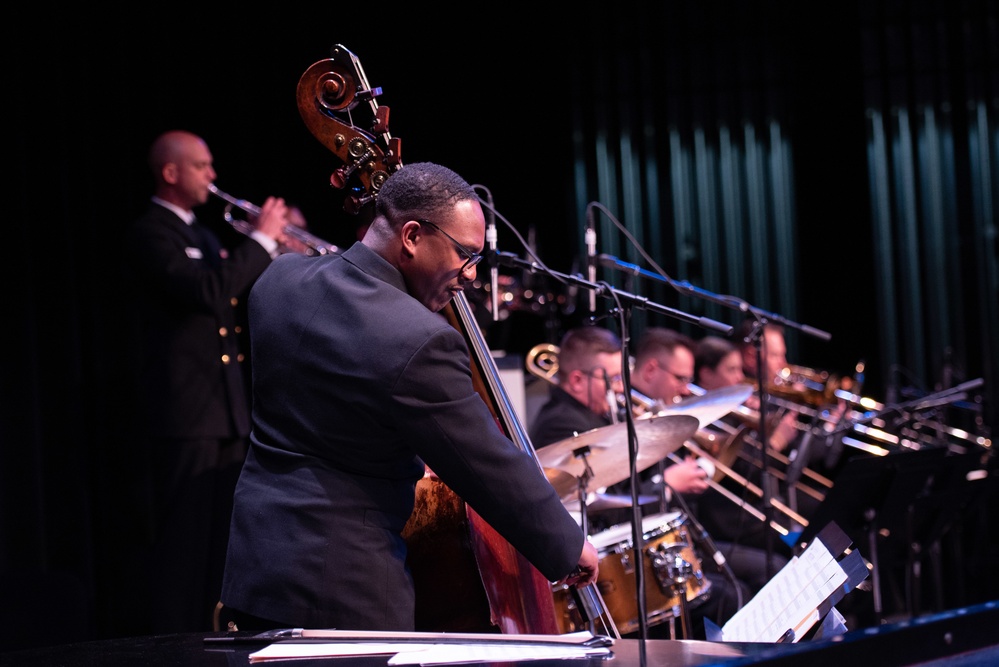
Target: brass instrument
x=750, y=419
x=542, y=362
x=810, y=393
x=805, y=384
x=862, y=412
x=314, y=244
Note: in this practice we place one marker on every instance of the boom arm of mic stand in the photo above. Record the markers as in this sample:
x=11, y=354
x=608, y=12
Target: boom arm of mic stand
x=603, y=289
x=685, y=287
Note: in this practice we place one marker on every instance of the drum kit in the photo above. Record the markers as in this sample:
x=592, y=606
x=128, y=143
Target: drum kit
x=602, y=457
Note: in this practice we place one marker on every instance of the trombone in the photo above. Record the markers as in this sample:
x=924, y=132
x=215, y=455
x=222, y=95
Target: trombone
x=314, y=244
x=542, y=362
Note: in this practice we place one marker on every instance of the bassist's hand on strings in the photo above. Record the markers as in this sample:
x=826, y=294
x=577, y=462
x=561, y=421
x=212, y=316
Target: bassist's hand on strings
x=587, y=569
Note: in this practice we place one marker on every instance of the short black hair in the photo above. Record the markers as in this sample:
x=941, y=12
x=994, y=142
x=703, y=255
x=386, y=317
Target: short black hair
x=421, y=190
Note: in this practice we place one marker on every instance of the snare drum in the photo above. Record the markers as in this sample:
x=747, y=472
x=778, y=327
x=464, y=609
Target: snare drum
x=668, y=558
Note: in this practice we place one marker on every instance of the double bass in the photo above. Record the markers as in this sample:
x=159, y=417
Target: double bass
x=466, y=576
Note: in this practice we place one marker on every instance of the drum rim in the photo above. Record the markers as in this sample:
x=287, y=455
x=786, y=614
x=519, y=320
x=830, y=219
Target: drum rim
x=650, y=524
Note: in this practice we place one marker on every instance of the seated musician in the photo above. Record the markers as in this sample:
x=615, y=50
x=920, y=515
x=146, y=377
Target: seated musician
x=359, y=384
x=721, y=363
x=585, y=398
x=792, y=433
x=664, y=370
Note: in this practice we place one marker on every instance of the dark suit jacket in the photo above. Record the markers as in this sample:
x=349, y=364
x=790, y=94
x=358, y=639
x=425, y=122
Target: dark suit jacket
x=562, y=417
x=357, y=386
x=189, y=362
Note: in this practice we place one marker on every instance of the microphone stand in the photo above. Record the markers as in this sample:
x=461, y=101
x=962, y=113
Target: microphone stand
x=735, y=303
x=762, y=317
x=626, y=303
x=766, y=498
x=603, y=289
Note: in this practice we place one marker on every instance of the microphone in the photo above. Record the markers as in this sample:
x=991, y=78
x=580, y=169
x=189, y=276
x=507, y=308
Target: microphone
x=591, y=257
x=494, y=267
x=708, y=546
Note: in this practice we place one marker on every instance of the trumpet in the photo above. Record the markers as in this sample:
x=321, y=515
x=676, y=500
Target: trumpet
x=314, y=244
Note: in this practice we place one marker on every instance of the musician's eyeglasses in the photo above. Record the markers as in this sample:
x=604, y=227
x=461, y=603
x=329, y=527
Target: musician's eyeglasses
x=471, y=258
x=601, y=374
x=682, y=379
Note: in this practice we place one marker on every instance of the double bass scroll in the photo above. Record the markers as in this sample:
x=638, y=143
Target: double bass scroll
x=327, y=92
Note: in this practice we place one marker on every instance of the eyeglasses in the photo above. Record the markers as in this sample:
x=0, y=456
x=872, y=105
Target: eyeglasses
x=601, y=374
x=471, y=258
x=682, y=379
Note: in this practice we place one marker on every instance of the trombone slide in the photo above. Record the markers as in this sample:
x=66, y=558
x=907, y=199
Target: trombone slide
x=752, y=488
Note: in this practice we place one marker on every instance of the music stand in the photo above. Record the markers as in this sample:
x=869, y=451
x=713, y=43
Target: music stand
x=953, y=492
x=872, y=493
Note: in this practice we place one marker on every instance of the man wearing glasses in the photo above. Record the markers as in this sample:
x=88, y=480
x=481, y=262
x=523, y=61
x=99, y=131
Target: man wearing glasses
x=588, y=381
x=664, y=369
x=360, y=385
x=589, y=363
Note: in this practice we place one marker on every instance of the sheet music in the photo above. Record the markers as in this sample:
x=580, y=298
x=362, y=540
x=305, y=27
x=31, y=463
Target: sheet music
x=790, y=601
x=409, y=653
x=429, y=648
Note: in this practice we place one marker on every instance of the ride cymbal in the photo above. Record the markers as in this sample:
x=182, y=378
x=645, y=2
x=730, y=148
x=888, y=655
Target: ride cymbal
x=712, y=405
x=607, y=452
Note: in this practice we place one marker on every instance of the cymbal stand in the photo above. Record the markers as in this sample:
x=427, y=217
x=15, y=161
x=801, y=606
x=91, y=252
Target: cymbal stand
x=589, y=603
x=582, y=484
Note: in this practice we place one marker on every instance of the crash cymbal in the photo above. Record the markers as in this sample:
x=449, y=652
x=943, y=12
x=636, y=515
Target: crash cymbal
x=712, y=405
x=595, y=502
x=606, y=449
x=565, y=484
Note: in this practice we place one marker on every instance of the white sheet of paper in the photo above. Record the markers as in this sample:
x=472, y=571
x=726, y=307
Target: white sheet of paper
x=444, y=654
x=789, y=601
x=409, y=653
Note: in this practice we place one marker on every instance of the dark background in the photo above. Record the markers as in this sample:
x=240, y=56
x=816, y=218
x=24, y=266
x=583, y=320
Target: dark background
x=87, y=90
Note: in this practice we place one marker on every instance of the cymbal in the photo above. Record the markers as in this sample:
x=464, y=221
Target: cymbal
x=607, y=452
x=596, y=502
x=564, y=483
x=712, y=405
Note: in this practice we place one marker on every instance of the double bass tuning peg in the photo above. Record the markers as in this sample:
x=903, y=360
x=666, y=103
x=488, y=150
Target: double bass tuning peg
x=354, y=203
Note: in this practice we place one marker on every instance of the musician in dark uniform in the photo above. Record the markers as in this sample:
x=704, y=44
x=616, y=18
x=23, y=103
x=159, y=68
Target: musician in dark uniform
x=360, y=384
x=193, y=407
x=589, y=378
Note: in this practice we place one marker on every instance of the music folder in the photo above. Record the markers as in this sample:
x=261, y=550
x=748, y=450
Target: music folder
x=801, y=595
